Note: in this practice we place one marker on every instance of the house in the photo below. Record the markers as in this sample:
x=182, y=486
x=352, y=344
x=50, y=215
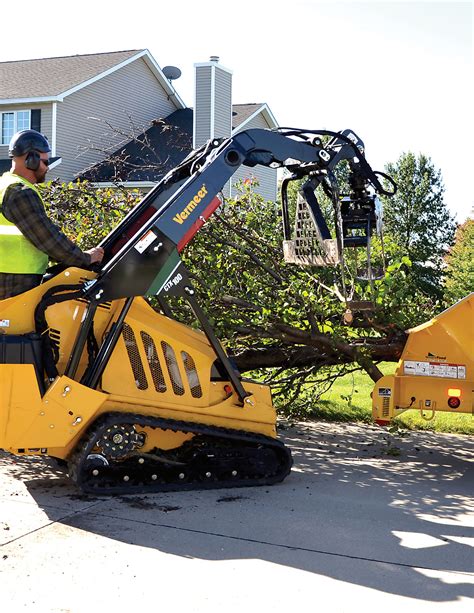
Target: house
x=96, y=108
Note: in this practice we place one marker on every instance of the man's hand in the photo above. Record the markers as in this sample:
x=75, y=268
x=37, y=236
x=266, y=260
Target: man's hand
x=96, y=253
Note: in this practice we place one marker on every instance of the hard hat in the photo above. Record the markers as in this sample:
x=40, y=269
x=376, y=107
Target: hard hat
x=28, y=140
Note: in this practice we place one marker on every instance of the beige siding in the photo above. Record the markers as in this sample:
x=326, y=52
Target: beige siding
x=202, y=113
x=46, y=120
x=213, y=108
x=267, y=177
x=223, y=104
x=127, y=100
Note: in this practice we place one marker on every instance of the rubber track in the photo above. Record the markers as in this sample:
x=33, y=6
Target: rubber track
x=83, y=481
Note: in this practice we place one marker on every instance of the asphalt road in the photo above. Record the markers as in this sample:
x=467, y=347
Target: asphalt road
x=366, y=521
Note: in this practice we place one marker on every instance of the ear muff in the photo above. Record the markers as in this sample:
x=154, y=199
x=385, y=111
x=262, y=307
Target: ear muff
x=32, y=160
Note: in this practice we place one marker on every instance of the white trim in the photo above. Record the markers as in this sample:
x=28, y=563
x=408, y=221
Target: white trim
x=14, y=112
x=54, y=115
x=231, y=98
x=106, y=73
x=200, y=64
x=145, y=54
x=212, y=110
x=56, y=163
x=7, y=101
x=194, y=108
x=168, y=87
x=261, y=109
x=151, y=63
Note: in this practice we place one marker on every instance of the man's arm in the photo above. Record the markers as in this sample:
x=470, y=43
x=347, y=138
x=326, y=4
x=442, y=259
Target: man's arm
x=23, y=207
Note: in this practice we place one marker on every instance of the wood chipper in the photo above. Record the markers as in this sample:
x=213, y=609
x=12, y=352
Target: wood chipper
x=436, y=368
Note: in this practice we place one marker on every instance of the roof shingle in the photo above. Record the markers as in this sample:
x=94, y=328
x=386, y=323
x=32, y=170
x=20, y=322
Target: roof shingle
x=241, y=112
x=52, y=76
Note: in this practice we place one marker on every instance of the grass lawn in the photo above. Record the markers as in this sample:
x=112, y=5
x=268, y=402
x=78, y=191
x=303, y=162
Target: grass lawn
x=349, y=400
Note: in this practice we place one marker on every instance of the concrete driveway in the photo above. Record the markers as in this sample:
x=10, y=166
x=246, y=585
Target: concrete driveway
x=367, y=521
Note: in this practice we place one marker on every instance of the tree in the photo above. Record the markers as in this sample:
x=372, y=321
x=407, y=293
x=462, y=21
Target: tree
x=418, y=220
x=283, y=322
x=460, y=264
x=289, y=320
x=86, y=214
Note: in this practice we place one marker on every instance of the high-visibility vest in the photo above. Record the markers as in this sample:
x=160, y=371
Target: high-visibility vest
x=17, y=254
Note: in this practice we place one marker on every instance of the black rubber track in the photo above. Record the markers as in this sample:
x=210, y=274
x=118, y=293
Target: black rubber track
x=204, y=462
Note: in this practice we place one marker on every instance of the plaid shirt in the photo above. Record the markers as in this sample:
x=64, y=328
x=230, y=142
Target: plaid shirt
x=23, y=207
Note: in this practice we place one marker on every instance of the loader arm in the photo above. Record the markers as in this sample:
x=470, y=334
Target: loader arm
x=142, y=253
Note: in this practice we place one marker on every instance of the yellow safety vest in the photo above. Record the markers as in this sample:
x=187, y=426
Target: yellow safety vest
x=17, y=254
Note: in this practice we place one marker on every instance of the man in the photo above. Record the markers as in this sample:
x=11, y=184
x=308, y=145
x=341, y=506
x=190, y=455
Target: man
x=28, y=239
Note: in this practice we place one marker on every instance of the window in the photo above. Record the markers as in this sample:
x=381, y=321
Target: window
x=12, y=122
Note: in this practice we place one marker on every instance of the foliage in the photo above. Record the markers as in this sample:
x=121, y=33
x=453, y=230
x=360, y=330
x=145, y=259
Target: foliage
x=460, y=264
x=281, y=322
x=284, y=322
x=86, y=214
x=418, y=220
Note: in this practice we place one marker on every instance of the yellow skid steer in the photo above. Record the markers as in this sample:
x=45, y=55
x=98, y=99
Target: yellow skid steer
x=130, y=398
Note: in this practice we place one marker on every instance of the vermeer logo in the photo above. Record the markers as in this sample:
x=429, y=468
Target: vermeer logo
x=432, y=356
x=192, y=204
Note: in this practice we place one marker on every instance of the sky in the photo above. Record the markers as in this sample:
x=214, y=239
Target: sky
x=399, y=74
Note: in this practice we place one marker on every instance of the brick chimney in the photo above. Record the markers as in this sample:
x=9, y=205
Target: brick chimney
x=213, y=101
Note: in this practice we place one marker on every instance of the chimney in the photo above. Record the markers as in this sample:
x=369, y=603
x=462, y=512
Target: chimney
x=213, y=101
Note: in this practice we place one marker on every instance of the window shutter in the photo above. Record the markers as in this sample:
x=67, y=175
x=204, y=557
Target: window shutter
x=36, y=119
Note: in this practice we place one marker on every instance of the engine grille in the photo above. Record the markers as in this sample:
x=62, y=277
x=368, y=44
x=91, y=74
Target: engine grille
x=134, y=357
x=157, y=364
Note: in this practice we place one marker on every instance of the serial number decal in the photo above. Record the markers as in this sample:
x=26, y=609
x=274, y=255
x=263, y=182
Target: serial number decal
x=435, y=369
x=192, y=204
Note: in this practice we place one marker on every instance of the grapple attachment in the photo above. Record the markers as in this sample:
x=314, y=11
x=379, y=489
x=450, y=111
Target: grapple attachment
x=355, y=220
x=311, y=244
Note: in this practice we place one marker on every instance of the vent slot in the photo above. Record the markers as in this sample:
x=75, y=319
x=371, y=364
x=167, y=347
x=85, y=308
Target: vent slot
x=192, y=375
x=153, y=362
x=55, y=336
x=134, y=357
x=102, y=305
x=173, y=368
x=385, y=407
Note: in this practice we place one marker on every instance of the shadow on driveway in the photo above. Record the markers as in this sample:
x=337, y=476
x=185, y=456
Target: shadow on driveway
x=361, y=506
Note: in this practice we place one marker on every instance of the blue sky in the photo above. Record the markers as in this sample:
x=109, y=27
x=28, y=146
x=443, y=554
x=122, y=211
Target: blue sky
x=400, y=74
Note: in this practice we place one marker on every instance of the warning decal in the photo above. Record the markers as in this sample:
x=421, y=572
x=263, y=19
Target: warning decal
x=145, y=241
x=435, y=369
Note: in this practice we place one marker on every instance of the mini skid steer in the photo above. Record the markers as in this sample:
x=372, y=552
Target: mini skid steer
x=130, y=398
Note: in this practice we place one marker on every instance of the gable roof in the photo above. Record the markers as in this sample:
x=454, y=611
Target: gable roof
x=151, y=155
x=54, y=78
x=244, y=113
